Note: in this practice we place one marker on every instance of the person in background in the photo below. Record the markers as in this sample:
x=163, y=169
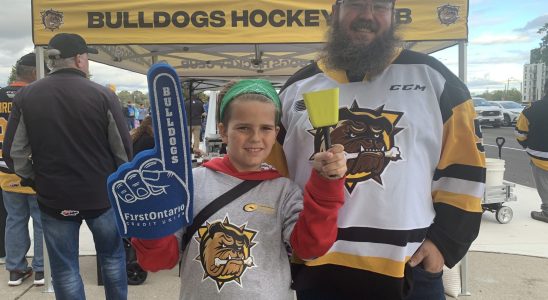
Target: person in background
x=142, y=137
x=194, y=109
x=532, y=134
x=143, y=113
x=130, y=112
x=416, y=166
x=76, y=134
x=204, y=121
x=19, y=201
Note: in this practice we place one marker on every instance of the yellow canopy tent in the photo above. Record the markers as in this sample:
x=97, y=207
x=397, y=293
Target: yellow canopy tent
x=228, y=38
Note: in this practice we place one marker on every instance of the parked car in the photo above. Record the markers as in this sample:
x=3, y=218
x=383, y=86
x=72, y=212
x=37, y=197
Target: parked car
x=488, y=113
x=510, y=111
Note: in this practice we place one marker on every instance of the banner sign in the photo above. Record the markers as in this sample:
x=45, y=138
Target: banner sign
x=228, y=21
x=153, y=193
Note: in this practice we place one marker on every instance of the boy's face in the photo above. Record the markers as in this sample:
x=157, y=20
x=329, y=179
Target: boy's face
x=250, y=134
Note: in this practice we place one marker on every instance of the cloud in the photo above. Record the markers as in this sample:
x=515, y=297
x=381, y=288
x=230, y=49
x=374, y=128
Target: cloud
x=492, y=39
x=534, y=25
x=122, y=79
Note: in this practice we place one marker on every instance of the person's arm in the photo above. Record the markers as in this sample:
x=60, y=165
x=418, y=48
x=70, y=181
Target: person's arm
x=522, y=129
x=316, y=229
x=158, y=254
x=118, y=133
x=458, y=183
x=16, y=148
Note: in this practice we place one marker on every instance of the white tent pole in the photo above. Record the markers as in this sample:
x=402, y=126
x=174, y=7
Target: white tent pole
x=41, y=73
x=463, y=76
x=463, y=60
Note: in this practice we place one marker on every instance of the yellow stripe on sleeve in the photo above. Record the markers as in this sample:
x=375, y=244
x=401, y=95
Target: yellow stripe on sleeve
x=462, y=201
x=460, y=139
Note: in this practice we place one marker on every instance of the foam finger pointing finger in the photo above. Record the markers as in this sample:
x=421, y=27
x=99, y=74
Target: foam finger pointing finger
x=167, y=108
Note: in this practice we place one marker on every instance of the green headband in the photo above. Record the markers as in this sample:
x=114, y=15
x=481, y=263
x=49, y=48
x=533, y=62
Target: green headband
x=251, y=86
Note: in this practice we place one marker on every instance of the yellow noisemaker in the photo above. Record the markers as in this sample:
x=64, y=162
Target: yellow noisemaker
x=323, y=110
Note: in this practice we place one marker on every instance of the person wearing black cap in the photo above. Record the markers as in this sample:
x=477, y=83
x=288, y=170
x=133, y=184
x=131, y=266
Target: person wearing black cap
x=75, y=133
x=19, y=201
x=416, y=165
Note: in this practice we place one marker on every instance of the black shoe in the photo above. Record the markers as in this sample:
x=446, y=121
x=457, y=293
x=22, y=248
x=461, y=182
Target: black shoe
x=540, y=216
x=17, y=277
x=39, y=278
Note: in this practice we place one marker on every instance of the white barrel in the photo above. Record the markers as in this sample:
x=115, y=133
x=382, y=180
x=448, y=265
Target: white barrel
x=495, y=171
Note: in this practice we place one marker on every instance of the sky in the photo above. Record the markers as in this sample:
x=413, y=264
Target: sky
x=501, y=35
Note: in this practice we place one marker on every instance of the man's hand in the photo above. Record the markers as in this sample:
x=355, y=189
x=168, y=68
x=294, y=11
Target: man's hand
x=331, y=164
x=431, y=258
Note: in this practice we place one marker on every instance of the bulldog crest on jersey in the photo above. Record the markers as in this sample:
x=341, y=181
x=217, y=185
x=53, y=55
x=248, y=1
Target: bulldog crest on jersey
x=368, y=139
x=225, y=251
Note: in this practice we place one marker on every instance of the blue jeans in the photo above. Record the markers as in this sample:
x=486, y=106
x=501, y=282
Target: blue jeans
x=20, y=208
x=426, y=285
x=62, y=239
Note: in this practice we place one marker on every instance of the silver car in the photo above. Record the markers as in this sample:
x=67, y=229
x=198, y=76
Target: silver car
x=510, y=110
x=488, y=113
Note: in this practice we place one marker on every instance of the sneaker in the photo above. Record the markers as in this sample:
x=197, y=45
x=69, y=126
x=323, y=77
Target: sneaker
x=39, y=278
x=540, y=216
x=17, y=277
x=2, y=260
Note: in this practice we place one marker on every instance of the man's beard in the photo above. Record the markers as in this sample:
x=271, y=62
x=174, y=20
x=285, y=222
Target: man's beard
x=356, y=58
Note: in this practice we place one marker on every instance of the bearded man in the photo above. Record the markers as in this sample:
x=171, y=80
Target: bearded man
x=416, y=165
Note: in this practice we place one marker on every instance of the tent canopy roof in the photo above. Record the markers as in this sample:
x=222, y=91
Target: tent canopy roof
x=229, y=38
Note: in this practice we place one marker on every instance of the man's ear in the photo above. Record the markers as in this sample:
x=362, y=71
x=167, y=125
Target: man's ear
x=223, y=132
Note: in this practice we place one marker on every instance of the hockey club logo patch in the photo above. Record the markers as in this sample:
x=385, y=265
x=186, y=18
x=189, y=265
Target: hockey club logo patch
x=368, y=139
x=52, y=19
x=448, y=14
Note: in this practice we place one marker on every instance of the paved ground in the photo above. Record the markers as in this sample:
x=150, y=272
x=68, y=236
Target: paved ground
x=506, y=262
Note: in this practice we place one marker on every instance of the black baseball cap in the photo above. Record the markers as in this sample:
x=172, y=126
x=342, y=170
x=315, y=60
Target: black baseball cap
x=68, y=45
x=29, y=60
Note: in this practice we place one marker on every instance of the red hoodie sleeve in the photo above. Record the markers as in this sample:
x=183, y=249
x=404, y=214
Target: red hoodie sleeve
x=158, y=254
x=316, y=229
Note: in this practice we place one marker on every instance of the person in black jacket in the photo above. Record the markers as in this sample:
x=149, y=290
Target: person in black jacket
x=532, y=134
x=65, y=136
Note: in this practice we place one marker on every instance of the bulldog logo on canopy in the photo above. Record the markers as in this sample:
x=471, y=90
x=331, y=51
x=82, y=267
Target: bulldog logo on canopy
x=153, y=193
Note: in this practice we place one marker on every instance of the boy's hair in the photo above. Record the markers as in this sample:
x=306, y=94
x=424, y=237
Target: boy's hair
x=248, y=96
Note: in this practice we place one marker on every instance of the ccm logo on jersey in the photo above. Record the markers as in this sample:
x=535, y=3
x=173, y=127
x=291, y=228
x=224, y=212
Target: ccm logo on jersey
x=407, y=87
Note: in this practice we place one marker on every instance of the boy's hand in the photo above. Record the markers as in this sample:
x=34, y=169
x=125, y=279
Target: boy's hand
x=331, y=164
